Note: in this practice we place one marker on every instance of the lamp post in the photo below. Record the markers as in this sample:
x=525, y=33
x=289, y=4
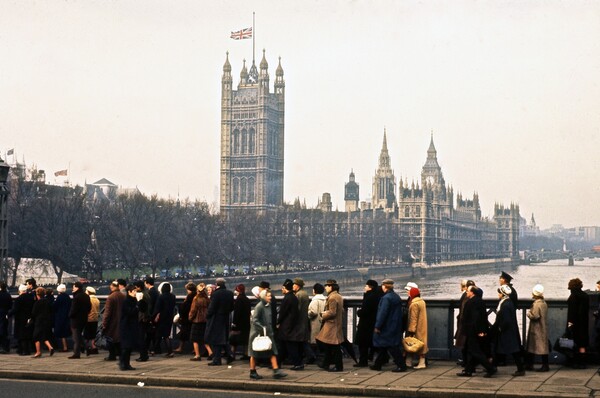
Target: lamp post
x=4, y=168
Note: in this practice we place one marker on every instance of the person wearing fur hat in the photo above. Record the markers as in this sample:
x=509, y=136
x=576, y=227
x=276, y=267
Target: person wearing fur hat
x=578, y=321
x=506, y=330
x=21, y=310
x=61, y=309
x=417, y=325
x=367, y=315
x=537, y=333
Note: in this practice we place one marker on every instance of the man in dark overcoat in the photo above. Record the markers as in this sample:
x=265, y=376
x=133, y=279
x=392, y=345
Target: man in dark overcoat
x=387, y=328
x=5, y=306
x=80, y=308
x=21, y=311
x=111, y=319
x=217, y=322
x=367, y=315
x=290, y=331
x=578, y=305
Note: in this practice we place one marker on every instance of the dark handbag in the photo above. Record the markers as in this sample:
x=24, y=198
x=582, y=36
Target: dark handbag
x=565, y=344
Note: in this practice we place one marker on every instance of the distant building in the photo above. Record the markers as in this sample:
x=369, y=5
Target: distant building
x=252, y=139
x=325, y=203
x=384, y=182
x=530, y=229
x=351, y=193
x=103, y=189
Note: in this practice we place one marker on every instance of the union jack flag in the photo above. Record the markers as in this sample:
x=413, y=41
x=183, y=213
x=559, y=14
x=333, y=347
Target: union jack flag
x=242, y=34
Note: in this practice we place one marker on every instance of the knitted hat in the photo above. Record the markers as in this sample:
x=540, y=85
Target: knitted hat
x=538, y=290
x=61, y=288
x=90, y=290
x=414, y=292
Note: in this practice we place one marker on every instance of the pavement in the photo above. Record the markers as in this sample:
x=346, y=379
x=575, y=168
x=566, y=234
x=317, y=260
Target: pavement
x=438, y=380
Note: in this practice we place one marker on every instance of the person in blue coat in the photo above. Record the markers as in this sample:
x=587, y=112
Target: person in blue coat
x=387, y=335
x=61, y=309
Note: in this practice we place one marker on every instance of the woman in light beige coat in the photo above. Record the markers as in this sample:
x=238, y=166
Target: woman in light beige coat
x=537, y=335
x=417, y=325
x=331, y=334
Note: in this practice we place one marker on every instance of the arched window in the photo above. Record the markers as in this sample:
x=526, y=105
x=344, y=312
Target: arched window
x=244, y=141
x=243, y=190
x=236, y=141
x=236, y=190
x=251, y=190
x=406, y=211
x=418, y=211
x=251, y=141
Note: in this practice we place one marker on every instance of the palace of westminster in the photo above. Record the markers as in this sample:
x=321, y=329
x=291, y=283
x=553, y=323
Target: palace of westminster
x=425, y=221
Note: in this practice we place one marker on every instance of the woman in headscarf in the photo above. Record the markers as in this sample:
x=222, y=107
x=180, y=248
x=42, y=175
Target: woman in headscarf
x=184, y=313
x=240, y=327
x=578, y=321
x=537, y=334
x=62, y=307
x=41, y=316
x=508, y=340
x=261, y=325
x=417, y=325
x=198, y=319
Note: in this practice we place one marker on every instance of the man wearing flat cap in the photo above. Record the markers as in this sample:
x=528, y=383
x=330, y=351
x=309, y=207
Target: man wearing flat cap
x=290, y=334
x=303, y=321
x=367, y=314
x=332, y=334
x=387, y=337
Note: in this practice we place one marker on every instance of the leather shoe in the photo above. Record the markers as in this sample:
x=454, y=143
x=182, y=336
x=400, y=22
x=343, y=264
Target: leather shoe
x=141, y=360
x=464, y=373
x=543, y=369
x=297, y=367
x=490, y=373
x=373, y=367
x=360, y=365
x=214, y=364
x=519, y=373
x=74, y=357
x=399, y=369
x=334, y=369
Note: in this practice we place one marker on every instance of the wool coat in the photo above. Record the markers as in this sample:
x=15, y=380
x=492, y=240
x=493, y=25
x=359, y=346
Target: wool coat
x=262, y=318
x=241, y=317
x=80, y=308
x=506, y=330
x=417, y=321
x=41, y=316
x=112, y=315
x=164, y=310
x=129, y=325
x=333, y=320
x=459, y=336
x=388, y=321
x=367, y=315
x=578, y=314
x=303, y=321
x=315, y=308
x=199, y=308
x=21, y=310
x=217, y=317
x=184, y=314
x=62, y=307
x=537, y=334
x=289, y=319
x=5, y=306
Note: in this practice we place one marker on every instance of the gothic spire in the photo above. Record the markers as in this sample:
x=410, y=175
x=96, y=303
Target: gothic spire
x=384, y=156
x=227, y=65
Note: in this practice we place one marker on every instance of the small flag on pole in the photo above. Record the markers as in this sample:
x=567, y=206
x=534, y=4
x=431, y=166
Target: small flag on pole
x=242, y=34
x=10, y=152
x=60, y=173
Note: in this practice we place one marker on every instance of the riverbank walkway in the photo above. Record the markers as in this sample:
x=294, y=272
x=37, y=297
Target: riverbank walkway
x=438, y=380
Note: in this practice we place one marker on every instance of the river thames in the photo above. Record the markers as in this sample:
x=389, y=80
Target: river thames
x=553, y=275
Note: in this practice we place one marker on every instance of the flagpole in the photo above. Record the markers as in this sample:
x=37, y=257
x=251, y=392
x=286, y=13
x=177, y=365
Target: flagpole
x=253, y=36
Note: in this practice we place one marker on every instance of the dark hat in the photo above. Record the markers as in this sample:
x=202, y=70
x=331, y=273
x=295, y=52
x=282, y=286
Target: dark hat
x=387, y=281
x=299, y=282
x=371, y=283
x=288, y=284
x=506, y=277
x=78, y=285
x=264, y=285
x=330, y=282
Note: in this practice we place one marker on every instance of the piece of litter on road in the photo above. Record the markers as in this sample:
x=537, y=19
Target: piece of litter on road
x=140, y=384
x=229, y=367
x=276, y=393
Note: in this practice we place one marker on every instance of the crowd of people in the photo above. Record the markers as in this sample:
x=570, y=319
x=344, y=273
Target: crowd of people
x=219, y=324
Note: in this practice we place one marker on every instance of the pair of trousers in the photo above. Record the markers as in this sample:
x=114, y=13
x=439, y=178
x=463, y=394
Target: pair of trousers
x=124, y=358
x=394, y=351
x=332, y=355
x=76, y=334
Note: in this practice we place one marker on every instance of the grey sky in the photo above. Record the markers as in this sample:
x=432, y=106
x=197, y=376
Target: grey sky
x=130, y=91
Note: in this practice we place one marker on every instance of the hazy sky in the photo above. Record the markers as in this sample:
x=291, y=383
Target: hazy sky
x=130, y=91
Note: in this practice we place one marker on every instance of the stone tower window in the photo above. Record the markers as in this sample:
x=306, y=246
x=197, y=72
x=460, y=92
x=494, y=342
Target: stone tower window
x=251, y=141
x=236, y=141
x=236, y=190
x=418, y=211
x=251, y=190
x=406, y=211
x=244, y=141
